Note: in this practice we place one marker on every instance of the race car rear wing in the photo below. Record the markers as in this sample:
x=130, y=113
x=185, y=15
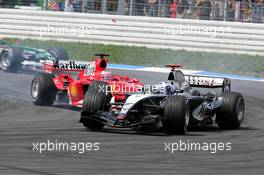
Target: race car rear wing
x=63, y=65
x=198, y=80
x=209, y=82
x=90, y=67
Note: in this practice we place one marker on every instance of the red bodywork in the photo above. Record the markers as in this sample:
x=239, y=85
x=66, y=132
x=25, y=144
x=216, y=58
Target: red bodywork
x=75, y=87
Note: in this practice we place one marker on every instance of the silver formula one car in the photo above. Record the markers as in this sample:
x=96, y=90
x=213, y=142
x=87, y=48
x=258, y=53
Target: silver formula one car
x=174, y=106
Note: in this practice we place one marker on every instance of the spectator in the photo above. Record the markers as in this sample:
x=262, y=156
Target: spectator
x=230, y=10
x=68, y=6
x=126, y=6
x=192, y=4
x=182, y=8
x=205, y=7
x=61, y=5
x=75, y=5
x=218, y=10
x=138, y=7
x=53, y=5
x=173, y=9
x=165, y=8
x=245, y=11
x=257, y=7
x=146, y=8
x=153, y=10
x=237, y=10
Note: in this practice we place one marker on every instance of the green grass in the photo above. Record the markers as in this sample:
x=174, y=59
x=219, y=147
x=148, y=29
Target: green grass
x=216, y=62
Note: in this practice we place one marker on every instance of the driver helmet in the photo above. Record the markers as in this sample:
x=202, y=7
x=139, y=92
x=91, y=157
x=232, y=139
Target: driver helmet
x=18, y=42
x=210, y=96
x=106, y=75
x=165, y=88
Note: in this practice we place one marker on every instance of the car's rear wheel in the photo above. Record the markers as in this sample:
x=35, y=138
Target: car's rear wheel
x=59, y=53
x=231, y=113
x=43, y=91
x=8, y=62
x=176, y=115
x=96, y=99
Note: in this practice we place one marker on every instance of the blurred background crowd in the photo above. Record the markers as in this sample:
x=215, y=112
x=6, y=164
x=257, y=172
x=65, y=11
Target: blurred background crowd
x=224, y=10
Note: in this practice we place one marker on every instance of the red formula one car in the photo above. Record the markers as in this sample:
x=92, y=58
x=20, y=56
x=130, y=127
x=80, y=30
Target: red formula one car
x=68, y=81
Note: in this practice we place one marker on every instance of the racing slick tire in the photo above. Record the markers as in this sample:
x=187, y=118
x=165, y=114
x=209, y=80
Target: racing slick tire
x=43, y=91
x=9, y=61
x=59, y=53
x=176, y=115
x=231, y=113
x=95, y=99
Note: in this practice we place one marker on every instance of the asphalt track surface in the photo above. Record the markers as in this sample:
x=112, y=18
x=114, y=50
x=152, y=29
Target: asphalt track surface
x=121, y=151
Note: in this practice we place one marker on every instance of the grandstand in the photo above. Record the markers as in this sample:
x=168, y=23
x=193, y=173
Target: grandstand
x=222, y=10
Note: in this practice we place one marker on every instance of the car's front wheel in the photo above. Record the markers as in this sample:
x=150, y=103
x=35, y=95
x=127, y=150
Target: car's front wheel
x=176, y=115
x=43, y=91
x=231, y=113
x=95, y=99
